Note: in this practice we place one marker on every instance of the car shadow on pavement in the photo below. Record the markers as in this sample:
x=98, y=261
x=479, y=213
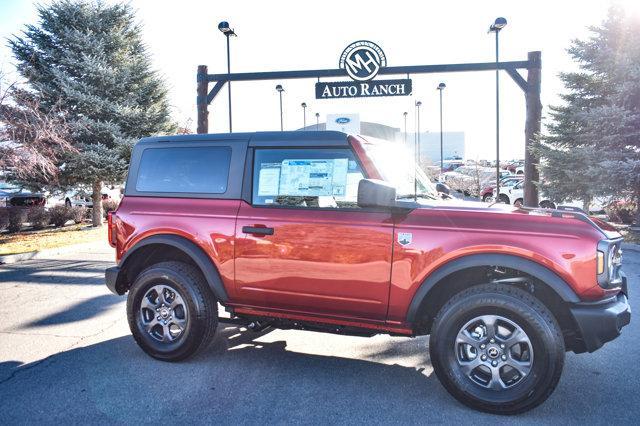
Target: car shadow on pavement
x=237, y=378
x=79, y=311
x=243, y=379
x=54, y=271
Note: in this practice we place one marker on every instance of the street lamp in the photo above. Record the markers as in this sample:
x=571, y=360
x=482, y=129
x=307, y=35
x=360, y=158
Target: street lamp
x=499, y=24
x=280, y=89
x=441, y=87
x=417, y=151
x=228, y=32
x=304, y=114
x=317, y=121
x=405, y=127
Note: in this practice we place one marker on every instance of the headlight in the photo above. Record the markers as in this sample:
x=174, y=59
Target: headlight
x=609, y=262
x=4, y=201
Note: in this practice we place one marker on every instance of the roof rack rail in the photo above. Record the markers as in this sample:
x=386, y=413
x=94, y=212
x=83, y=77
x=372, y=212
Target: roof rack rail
x=571, y=209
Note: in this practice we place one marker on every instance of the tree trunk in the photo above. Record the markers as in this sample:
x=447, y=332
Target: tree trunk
x=96, y=199
x=586, y=203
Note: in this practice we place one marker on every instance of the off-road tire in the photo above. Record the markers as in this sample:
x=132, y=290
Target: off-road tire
x=201, y=307
x=530, y=315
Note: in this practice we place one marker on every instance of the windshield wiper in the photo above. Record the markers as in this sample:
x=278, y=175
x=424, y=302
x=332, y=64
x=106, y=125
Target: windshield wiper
x=418, y=195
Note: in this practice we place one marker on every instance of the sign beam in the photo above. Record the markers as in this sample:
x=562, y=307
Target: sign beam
x=339, y=72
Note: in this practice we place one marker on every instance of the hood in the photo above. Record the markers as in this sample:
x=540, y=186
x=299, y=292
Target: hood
x=556, y=216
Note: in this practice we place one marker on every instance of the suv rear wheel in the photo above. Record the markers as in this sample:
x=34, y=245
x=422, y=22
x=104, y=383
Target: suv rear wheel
x=497, y=349
x=171, y=311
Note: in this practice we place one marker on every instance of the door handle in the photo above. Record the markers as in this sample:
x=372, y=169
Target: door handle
x=257, y=230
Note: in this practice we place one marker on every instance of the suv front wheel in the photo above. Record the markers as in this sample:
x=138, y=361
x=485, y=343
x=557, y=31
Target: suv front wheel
x=496, y=348
x=171, y=311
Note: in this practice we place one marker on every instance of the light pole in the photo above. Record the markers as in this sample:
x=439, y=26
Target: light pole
x=441, y=87
x=317, y=121
x=228, y=32
x=280, y=89
x=304, y=114
x=499, y=24
x=417, y=150
x=405, y=127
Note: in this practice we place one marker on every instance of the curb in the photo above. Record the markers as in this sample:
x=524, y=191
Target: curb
x=42, y=254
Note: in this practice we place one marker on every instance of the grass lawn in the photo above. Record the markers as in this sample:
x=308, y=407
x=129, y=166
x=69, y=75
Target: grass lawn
x=27, y=241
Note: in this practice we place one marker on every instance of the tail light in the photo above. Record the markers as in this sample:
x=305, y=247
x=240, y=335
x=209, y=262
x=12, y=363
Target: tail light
x=111, y=230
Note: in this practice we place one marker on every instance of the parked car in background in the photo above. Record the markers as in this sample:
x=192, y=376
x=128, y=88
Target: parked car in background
x=515, y=195
x=487, y=192
x=12, y=195
x=80, y=196
x=451, y=165
x=513, y=165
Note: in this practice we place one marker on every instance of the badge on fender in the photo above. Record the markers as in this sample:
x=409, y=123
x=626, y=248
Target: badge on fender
x=405, y=238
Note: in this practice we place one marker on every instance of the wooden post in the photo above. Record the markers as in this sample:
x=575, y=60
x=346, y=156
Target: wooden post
x=201, y=101
x=532, y=128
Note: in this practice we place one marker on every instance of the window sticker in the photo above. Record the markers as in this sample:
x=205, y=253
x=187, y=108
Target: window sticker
x=313, y=177
x=269, y=179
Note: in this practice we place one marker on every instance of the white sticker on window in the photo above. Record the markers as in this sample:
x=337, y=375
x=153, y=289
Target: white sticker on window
x=313, y=177
x=269, y=179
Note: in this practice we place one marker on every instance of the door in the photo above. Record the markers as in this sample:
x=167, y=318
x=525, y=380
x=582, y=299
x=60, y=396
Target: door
x=303, y=245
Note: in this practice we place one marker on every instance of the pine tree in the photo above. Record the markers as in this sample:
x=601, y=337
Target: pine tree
x=614, y=127
x=88, y=58
x=592, y=146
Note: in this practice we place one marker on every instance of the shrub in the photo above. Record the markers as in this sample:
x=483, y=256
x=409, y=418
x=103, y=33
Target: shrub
x=17, y=216
x=621, y=211
x=79, y=213
x=109, y=206
x=38, y=217
x=60, y=215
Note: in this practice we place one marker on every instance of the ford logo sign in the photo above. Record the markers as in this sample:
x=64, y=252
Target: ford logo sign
x=342, y=120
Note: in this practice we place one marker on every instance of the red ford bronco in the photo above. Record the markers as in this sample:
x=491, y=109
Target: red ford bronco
x=327, y=232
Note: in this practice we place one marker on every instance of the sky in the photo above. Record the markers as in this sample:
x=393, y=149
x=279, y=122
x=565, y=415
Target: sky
x=298, y=35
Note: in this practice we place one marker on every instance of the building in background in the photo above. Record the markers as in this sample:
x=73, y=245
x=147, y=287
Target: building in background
x=453, y=146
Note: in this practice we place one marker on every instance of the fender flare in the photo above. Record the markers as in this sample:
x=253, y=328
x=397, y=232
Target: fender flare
x=192, y=250
x=561, y=288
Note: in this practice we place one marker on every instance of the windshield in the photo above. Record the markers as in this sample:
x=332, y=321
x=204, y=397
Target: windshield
x=6, y=186
x=396, y=165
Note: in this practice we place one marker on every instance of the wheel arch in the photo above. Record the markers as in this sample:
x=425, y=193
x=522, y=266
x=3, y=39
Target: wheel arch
x=156, y=248
x=438, y=278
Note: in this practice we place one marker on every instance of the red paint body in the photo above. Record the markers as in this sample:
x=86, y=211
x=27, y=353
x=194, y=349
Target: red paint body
x=346, y=266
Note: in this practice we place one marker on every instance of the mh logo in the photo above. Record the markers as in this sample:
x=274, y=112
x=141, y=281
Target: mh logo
x=362, y=60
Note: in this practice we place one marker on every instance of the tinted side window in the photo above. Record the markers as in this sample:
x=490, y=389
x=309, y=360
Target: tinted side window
x=197, y=170
x=306, y=177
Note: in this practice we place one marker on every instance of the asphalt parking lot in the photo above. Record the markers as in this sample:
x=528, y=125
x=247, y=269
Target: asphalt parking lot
x=66, y=355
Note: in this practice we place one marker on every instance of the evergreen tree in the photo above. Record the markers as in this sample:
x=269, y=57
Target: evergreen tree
x=614, y=127
x=88, y=59
x=592, y=145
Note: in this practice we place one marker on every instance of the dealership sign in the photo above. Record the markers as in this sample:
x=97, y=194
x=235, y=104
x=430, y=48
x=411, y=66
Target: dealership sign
x=362, y=61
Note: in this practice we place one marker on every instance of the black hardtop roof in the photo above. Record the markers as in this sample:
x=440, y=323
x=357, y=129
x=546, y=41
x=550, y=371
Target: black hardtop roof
x=259, y=138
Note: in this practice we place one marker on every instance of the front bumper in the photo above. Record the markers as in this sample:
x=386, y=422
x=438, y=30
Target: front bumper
x=601, y=322
x=111, y=278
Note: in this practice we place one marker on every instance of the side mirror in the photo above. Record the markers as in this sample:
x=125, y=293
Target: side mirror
x=376, y=193
x=441, y=187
